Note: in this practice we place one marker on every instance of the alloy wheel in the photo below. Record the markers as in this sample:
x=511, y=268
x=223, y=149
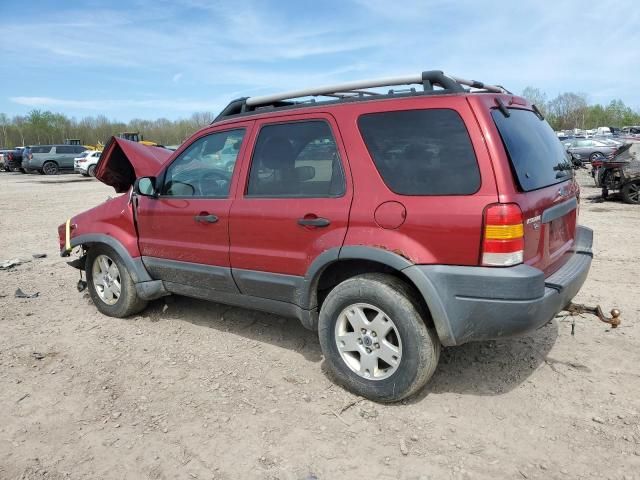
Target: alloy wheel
x=633, y=192
x=106, y=279
x=368, y=341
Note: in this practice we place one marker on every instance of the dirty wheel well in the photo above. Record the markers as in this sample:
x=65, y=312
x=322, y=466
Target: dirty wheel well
x=340, y=271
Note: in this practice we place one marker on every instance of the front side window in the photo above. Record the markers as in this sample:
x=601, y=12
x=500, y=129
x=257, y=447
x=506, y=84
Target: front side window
x=40, y=149
x=422, y=152
x=296, y=160
x=204, y=169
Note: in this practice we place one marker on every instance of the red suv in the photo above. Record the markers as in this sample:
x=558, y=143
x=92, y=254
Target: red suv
x=392, y=223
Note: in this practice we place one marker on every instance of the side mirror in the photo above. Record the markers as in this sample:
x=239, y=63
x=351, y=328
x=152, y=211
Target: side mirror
x=145, y=186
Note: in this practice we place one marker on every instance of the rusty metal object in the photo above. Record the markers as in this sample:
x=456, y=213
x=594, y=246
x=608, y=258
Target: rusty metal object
x=577, y=309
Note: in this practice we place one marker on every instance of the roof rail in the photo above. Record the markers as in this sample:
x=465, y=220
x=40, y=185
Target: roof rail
x=427, y=79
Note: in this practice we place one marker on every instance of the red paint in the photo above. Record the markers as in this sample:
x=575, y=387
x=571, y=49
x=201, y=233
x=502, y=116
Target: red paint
x=263, y=234
x=390, y=215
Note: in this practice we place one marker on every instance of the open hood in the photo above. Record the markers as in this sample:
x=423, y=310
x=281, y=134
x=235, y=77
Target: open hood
x=122, y=161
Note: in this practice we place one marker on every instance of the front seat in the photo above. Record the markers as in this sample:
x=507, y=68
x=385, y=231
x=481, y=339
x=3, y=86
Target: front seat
x=275, y=154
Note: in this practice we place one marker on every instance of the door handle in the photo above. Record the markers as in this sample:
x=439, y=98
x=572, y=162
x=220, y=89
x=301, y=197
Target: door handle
x=314, y=222
x=205, y=218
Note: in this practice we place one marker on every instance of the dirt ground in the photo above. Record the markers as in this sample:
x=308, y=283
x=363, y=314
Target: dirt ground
x=190, y=389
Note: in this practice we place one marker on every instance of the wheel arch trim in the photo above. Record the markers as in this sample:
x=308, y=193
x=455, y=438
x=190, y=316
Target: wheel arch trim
x=135, y=266
x=308, y=295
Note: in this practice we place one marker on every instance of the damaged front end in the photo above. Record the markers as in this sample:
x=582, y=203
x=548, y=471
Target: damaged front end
x=622, y=173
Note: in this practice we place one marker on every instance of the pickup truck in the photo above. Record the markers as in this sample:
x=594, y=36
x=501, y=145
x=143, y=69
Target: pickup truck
x=13, y=160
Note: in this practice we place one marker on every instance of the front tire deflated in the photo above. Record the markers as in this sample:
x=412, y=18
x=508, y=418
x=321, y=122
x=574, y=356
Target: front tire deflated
x=375, y=339
x=110, y=285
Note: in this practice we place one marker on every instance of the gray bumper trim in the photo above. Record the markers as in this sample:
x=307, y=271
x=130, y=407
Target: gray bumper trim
x=481, y=303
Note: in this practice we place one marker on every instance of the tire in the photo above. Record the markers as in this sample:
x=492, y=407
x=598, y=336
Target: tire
x=595, y=156
x=387, y=303
x=126, y=302
x=50, y=168
x=631, y=192
x=22, y=170
x=85, y=174
x=91, y=171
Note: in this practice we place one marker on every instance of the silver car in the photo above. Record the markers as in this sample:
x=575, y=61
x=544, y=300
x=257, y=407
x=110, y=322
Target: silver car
x=588, y=150
x=52, y=159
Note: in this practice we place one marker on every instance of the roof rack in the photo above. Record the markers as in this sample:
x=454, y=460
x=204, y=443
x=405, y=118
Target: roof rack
x=357, y=89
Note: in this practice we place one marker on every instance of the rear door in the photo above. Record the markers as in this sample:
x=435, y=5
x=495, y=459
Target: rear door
x=183, y=234
x=293, y=206
x=65, y=155
x=545, y=188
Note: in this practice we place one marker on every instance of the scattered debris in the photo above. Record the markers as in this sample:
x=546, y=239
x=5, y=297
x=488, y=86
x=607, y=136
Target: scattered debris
x=351, y=404
x=20, y=294
x=403, y=447
x=14, y=262
x=39, y=255
x=38, y=355
x=597, y=420
x=23, y=397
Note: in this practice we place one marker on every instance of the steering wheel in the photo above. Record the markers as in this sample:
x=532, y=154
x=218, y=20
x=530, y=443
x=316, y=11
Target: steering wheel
x=214, y=182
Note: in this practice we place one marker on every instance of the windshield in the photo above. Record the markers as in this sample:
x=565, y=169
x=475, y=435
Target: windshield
x=537, y=156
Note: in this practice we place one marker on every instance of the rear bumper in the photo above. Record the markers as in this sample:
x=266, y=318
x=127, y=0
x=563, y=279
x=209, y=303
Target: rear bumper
x=481, y=303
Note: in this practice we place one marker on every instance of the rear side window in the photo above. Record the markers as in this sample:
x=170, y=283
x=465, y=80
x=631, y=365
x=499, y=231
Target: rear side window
x=422, y=152
x=62, y=149
x=296, y=160
x=537, y=157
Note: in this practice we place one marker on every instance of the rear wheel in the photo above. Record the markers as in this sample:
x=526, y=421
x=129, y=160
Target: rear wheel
x=375, y=340
x=50, y=168
x=91, y=171
x=110, y=285
x=631, y=192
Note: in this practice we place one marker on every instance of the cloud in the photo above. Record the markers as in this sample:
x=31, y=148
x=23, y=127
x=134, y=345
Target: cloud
x=242, y=48
x=99, y=105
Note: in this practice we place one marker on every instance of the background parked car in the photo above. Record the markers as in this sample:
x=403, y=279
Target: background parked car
x=589, y=149
x=86, y=163
x=13, y=160
x=52, y=159
x=3, y=156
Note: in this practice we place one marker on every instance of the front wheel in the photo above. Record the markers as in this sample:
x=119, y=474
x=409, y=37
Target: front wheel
x=110, y=285
x=50, y=168
x=595, y=156
x=631, y=192
x=375, y=340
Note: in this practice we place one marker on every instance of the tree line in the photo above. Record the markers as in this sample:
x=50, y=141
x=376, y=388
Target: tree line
x=44, y=127
x=565, y=111
x=572, y=110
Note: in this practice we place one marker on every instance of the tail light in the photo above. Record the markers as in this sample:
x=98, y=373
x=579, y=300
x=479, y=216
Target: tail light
x=503, y=235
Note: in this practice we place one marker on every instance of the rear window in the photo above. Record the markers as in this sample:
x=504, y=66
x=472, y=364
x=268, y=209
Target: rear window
x=422, y=152
x=537, y=157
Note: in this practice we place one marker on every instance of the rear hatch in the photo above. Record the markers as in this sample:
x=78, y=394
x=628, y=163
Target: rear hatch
x=122, y=161
x=546, y=190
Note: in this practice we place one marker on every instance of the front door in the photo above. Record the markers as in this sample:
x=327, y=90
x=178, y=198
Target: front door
x=294, y=205
x=183, y=234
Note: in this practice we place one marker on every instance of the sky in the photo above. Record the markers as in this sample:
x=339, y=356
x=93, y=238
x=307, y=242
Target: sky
x=155, y=58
